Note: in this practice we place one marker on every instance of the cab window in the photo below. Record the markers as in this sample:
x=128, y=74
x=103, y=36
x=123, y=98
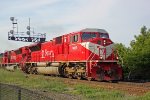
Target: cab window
x=87, y=36
x=103, y=35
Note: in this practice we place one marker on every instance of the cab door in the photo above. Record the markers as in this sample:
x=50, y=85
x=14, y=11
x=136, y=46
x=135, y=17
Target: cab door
x=74, y=47
x=66, y=44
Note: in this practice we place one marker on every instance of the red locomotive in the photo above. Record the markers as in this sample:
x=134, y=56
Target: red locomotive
x=85, y=54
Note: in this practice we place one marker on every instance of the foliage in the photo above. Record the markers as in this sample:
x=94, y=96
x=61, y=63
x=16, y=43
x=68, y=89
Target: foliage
x=122, y=52
x=136, y=59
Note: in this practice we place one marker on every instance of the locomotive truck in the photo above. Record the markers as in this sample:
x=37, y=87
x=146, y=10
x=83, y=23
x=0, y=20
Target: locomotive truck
x=86, y=54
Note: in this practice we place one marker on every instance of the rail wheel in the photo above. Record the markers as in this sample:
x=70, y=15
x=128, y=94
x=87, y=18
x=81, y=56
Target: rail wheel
x=70, y=76
x=29, y=69
x=79, y=77
x=90, y=79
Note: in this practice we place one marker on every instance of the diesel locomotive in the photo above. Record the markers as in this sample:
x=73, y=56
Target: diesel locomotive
x=86, y=54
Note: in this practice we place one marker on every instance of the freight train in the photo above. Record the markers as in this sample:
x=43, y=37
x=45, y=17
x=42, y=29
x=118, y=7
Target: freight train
x=86, y=54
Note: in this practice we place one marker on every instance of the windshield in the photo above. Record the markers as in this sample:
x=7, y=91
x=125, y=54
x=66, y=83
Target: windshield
x=103, y=35
x=87, y=36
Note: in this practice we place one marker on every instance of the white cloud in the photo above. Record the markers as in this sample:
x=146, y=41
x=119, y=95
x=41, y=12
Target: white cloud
x=88, y=13
x=85, y=14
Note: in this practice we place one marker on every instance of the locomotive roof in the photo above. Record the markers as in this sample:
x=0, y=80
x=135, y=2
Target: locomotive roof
x=94, y=30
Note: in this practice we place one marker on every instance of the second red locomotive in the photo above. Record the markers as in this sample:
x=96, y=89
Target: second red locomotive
x=87, y=54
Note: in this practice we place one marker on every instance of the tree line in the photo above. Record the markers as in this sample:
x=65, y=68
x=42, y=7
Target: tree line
x=135, y=59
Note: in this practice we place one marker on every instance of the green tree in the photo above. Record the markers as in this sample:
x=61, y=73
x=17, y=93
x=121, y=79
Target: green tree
x=138, y=57
x=135, y=59
x=122, y=52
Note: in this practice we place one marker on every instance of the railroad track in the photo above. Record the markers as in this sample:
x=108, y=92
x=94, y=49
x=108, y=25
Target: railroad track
x=129, y=87
x=145, y=84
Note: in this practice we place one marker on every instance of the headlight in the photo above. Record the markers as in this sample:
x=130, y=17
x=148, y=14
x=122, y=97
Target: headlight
x=104, y=42
x=101, y=57
x=117, y=57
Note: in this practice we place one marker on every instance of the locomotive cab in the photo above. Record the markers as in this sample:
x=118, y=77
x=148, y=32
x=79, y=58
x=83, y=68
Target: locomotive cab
x=101, y=59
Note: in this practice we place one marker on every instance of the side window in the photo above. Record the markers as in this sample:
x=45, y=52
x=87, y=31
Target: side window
x=58, y=40
x=75, y=38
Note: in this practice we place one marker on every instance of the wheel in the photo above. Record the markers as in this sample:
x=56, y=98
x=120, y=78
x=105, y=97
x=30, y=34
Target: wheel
x=29, y=70
x=35, y=71
x=70, y=76
x=90, y=79
x=79, y=77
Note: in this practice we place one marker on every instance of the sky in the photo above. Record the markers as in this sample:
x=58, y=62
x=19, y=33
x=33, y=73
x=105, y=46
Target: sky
x=122, y=19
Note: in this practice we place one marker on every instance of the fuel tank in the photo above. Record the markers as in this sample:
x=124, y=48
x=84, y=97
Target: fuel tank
x=41, y=64
x=52, y=70
x=44, y=64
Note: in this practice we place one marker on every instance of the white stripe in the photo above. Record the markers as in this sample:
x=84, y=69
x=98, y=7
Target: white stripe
x=94, y=48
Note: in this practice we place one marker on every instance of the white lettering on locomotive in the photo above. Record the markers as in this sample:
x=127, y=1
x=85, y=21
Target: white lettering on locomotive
x=47, y=53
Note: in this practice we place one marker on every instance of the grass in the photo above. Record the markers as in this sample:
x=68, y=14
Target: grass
x=54, y=84
x=35, y=82
x=100, y=93
x=145, y=97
